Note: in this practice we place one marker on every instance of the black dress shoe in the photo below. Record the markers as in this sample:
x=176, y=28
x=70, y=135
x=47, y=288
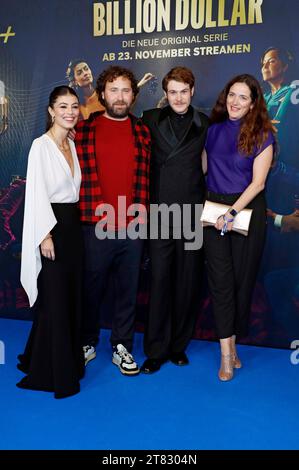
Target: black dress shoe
x=151, y=365
x=179, y=359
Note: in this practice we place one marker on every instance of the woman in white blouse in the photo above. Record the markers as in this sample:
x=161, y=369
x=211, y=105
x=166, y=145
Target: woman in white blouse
x=52, y=250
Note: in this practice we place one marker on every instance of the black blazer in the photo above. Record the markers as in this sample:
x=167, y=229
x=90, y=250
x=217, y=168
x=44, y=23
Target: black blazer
x=176, y=172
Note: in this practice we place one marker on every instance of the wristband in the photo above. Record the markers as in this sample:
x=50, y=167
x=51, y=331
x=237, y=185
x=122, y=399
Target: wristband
x=227, y=220
x=224, y=228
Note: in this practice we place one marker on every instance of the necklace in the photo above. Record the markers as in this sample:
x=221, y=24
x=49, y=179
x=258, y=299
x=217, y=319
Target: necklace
x=61, y=147
x=66, y=152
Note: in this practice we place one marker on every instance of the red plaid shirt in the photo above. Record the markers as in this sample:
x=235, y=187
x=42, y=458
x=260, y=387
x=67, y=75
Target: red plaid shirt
x=90, y=192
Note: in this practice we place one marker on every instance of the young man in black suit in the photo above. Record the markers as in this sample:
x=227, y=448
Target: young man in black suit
x=178, y=134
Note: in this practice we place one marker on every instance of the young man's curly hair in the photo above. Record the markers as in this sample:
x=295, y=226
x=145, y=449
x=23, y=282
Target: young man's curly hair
x=109, y=75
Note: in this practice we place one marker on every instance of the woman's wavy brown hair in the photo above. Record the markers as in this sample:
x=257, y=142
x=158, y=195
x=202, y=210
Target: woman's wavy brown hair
x=256, y=123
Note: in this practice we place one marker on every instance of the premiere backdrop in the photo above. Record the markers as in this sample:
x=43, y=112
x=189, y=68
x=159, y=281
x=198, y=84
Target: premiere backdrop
x=217, y=39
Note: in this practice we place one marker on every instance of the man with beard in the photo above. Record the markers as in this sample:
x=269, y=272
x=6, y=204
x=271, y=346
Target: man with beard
x=114, y=150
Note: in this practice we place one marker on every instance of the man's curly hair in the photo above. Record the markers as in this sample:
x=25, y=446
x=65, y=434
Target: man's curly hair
x=109, y=75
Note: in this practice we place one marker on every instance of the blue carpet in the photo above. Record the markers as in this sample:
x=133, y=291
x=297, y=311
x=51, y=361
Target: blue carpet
x=176, y=408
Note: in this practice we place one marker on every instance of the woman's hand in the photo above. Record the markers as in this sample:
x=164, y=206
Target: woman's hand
x=220, y=222
x=47, y=248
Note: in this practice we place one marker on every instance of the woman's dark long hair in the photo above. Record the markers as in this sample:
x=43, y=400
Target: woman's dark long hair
x=58, y=91
x=256, y=124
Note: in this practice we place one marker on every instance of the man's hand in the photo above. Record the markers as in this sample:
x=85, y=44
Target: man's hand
x=271, y=214
x=290, y=223
x=72, y=134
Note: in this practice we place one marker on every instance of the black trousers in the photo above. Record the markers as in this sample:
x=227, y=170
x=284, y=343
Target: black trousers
x=232, y=263
x=176, y=276
x=103, y=258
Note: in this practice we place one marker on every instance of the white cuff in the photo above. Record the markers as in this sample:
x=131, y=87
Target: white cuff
x=278, y=221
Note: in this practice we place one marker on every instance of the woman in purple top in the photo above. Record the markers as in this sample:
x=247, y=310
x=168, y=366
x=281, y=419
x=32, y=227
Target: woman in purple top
x=238, y=155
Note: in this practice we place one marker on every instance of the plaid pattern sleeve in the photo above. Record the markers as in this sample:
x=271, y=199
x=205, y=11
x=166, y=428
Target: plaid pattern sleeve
x=90, y=191
x=141, y=164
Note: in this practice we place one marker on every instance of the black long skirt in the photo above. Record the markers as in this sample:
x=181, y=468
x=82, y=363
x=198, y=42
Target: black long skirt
x=53, y=359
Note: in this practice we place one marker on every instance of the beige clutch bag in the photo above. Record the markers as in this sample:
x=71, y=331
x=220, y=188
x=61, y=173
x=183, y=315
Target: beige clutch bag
x=213, y=210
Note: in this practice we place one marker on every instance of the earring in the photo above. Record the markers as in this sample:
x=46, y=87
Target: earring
x=53, y=119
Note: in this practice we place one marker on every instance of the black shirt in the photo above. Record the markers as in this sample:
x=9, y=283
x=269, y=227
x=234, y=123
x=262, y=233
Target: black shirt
x=180, y=122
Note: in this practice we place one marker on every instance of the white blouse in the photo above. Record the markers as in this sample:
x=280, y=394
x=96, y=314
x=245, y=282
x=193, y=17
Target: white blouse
x=49, y=180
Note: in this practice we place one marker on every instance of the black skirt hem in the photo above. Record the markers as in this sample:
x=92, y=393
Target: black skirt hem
x=24, y=383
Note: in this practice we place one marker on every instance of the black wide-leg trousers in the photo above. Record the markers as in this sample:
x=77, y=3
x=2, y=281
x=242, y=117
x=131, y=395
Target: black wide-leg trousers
x=53, y=359
x=232, y=265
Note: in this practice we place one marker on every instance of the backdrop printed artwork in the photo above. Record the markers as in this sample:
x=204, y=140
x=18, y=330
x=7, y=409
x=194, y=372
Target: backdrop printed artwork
x=45, y=44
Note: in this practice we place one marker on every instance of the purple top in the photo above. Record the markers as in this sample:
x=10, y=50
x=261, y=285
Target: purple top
x=229, y=172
